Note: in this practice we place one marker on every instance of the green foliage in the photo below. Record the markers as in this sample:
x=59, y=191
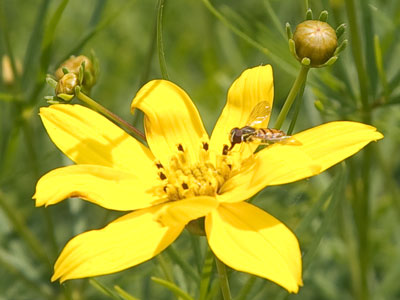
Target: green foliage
x=347, y=219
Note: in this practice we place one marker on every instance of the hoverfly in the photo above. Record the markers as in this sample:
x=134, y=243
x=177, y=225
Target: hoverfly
x=265, y=136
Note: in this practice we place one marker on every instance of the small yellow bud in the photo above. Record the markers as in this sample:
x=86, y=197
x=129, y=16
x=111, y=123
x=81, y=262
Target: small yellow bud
x=73, y=64
x=67, y=84
x=315, y=40
x=8, y=74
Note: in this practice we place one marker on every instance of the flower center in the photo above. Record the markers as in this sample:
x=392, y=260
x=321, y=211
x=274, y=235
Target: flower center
x=183, y=179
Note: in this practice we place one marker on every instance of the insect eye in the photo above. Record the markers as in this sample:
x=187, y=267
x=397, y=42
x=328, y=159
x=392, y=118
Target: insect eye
x=234, y=130
x=236, y=135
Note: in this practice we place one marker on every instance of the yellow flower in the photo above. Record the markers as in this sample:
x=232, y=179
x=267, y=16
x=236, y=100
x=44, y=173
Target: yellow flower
x=184, y=175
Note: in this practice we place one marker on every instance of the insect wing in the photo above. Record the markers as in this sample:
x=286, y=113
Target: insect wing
x=285, y=140
x=260, y=112
x=289, y=140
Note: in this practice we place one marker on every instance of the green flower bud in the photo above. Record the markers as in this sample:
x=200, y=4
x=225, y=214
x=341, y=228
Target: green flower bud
x=67, y=84
x=315, y=40
x=86, y=69
x=73, y=64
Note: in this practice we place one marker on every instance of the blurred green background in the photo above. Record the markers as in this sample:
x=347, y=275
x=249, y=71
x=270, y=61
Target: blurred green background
x=346, y=219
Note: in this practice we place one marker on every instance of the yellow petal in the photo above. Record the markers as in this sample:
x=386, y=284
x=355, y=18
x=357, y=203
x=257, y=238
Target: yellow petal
x=273, y=165
x=171, y=119
x=183, y=211
x=319, y=148
x=253, y=86
x=104, y=186
x=87, y=137
x=330, y=143
x=250, y=240
x=126, y=242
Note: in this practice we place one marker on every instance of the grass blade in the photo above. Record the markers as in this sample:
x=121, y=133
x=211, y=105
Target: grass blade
x=172, y=287
x=328, y=216
x=35, y=41
x=103, y=289
x=124, y=294
x=206, y=274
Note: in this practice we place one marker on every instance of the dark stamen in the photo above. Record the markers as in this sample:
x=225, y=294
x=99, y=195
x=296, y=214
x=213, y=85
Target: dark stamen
x=159, y=165
x=185, y=186
x=180, y=148
x=165, y=189
x=230, y=166
x=162, y=176
x=225, y=150
x=205, y=146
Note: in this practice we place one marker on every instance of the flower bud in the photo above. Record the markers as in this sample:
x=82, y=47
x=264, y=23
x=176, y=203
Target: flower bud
x=7, y=71
x=315, y=40
x=67, y=84
x=73, y=64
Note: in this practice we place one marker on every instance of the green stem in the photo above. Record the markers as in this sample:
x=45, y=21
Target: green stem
x=357, y=52
x=300, y=80
x=101, y=109
x=297, y=109
x=160, y=44
x=362, y=203
x=223, y=279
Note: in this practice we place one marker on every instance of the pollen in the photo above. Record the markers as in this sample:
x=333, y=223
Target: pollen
x=182, y=179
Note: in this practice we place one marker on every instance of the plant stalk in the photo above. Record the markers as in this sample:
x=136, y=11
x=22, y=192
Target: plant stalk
x=300, y=80
x=101, y=109
x=223, y=279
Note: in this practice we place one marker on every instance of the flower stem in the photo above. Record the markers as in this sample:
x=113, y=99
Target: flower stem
x=300, y=80
x=297, y=109
x=223, y=279
x=362, y=205
x=160, y=44
x=89, y=101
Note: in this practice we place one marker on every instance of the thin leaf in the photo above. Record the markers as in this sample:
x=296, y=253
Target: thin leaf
x=368, y=31
x=97, y=12
x=48, y=37
x=45, y=56
x=275, y=19
x=206, y=274
x=20, y=275
x=285, y=66
x=245, y=291
x=5, y=97
x=195, y=242
x=35, y=41
x=15, y=219
x=172, y=287
x=103, y=289
x=124, y=294
x=93, y=31
x=316, y=209
x=186, y=267
x=326, y=221
x=388, y=287
x=379, y=65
